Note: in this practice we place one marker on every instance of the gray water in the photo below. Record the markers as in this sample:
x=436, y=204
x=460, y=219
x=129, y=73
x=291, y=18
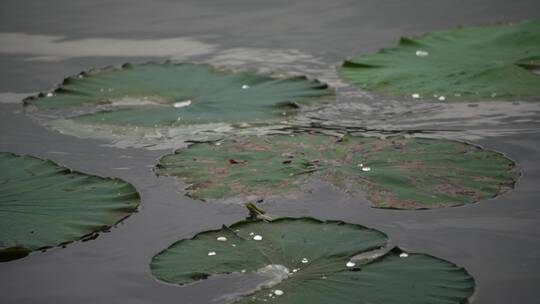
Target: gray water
x=497, y=241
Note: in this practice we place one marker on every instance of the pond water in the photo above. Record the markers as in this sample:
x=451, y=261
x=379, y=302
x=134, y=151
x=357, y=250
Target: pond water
x=497, y=241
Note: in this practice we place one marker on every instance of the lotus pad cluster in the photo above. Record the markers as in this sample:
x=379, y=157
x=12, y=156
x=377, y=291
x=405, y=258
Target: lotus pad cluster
x=466, y=63
x=44, y=205
x=404, y=173
x=314, y=262
x=148, y=95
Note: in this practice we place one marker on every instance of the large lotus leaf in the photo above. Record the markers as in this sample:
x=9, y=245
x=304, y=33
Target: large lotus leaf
x=404, y=173
x=312, y=262
x=168, y=94
x=484, y=62
x=43, y=204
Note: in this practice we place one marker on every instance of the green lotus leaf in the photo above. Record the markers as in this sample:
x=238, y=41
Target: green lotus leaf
x=310, y=261
x=403, y=173
x=169, y=94
x=465, y=63
x=44, y=205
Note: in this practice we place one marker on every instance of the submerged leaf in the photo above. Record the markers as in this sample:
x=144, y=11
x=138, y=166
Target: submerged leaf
x=404, y=173
x=466, y=63
x=309, y=262
x=44, y=205
x=148, y=95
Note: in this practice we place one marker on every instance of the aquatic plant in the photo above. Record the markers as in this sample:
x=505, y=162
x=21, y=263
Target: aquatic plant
x=465, y=63
x=169, y=94
x=44, y=205
x=396, y=172
x=312, y=261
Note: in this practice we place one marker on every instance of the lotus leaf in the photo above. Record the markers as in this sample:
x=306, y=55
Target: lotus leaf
x=169, y=94
x=44, y=205
x=312, y=261
x=465, y=63
x=398, y=172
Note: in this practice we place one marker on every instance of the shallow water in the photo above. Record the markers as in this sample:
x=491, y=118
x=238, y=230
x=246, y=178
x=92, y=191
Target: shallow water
x=498, y=241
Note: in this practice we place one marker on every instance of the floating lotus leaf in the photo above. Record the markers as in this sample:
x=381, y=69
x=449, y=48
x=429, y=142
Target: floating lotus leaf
x=168, y=94
x=44, y=205
x=404, y=173
x=314, y=262
x=466, y=63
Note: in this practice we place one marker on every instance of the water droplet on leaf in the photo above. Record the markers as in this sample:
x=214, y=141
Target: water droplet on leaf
x=421, y=53
x=182, y=104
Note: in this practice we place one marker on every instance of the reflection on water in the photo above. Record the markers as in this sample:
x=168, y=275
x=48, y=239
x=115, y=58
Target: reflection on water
x=54, y=48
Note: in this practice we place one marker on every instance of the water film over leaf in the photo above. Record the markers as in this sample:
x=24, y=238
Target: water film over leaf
x=44, y=205
x=465, y=63
x=311, y=261
x=397, y=172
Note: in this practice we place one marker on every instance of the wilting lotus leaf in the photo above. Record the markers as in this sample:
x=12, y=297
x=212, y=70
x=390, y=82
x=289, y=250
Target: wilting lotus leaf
x=466, y=63
x=404, y=173
x=311, y=261
x=170, y=94
x=44, y=205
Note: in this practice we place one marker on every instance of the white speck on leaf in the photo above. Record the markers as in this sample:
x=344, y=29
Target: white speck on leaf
x=442, y=98
x=421, y=53
x=245, y=87
x=182, y=104
x=305, y=261
x=403, y=255
x=350, y=264
x=366, y=169
x=221, y=239
x=49, y=94
x=257, y=238
x=278, y=292
x=211, y=253
x=415, y=95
